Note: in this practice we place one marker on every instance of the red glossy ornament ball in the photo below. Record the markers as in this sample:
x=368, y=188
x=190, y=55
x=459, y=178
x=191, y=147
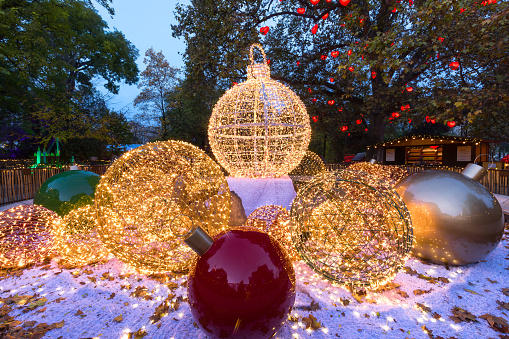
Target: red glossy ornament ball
x=243, y=286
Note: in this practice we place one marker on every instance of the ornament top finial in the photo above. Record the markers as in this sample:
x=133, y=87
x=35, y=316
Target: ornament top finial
x=257, y=70
x=199, y=241
x=474, y=172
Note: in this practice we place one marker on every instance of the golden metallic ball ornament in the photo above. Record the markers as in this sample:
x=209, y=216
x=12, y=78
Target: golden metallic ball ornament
x=274, y=220
x=351, y=228
x=456, y=220
x=25, y=236
x=391, y=174
x=76, y=238
x=310, y=165
x=260, y=127
x=149, y=198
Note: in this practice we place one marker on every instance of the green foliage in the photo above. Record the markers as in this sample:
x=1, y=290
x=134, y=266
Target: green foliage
x=51, y=51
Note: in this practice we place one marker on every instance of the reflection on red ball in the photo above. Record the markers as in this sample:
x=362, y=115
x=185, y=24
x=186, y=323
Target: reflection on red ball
x=243, y=286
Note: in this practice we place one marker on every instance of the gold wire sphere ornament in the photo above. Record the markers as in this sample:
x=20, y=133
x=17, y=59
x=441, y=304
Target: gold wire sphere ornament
x=274, y=220
x=260, y=127
x=391, y=174
x=310, y=165
x=149, y=198
x=76, y=238
x=25, y=236
x=351, y=228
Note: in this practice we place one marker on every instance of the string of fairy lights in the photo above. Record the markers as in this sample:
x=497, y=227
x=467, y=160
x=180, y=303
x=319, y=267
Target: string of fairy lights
x=260, y=127
x=391, y=174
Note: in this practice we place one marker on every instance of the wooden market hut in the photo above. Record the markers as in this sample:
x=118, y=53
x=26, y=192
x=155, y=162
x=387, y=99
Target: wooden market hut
x=426, y=150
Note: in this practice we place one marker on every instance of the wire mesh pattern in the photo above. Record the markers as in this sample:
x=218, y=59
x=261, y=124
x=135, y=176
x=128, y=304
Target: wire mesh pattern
x=259, y=128
x=310, y=165
x=391, y=174
x=76, y=238
x=25, y=236
x=274, y=220
x=142, y=198
x=351, y=228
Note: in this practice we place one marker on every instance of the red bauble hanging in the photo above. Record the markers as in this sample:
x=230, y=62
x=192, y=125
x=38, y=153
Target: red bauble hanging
x=310, y=90
x=301, y=10
x=344, y=128
x=334, y=54
x=331, y=79
x=340, y=109
x=451, y=124
x=440, y=39
x=428, y=119
x=314, y=29
x=373, y=75
x=433, y=121
x=313, y=100
x=454, y=65
x=349, y=52
x=351, y=69
x=243, y=284
x=409, y=121
x=325, y=16
x=396, y=114
x=323, y=57
x=298, y=63
x=409, y=89
x=344, y=2
x=314, y=2
x=331, y=102
x=315, y=118
x=358, y=121
x=264, y=30
x=268, y=61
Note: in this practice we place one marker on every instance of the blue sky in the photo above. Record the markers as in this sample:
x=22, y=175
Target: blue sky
x=146, y=24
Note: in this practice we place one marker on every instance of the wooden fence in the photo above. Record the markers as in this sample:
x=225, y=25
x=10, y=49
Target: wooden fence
x=22, y=184
x=496, y=180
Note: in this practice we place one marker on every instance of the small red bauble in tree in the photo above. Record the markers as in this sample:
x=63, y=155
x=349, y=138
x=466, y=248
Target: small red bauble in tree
x=331, y=102
x=394, y=10
x=298, y=63
x=234, y=83
x=409, y=89
x=454, y=65
x=328, y=0
x=314, y=2
x=344, y=2
x=314, y=29
x=358, y=121
x=313, y=100
x=403, y=108
x=407, y=106
x=310, y=90
x=268, y=61
x=340, y=109
x=323, y=57
x=451, y=124
x=242, y=285
x=301, y=10
x=264, y=30
x=344, y=128
x=440, y=39
x=362, y=57
x=433, y=121
x=427, y=118
x=325, y=16
x=396, y=114
x=349, y=52
x=409, y=121
x=365, y=130
x=315, y=118
x=462, y=10
x=331, y=79
x=334, y=54
x=351, y=69
x=410, y=2
x=373, y=74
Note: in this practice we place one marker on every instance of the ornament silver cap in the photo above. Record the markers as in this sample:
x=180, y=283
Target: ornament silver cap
x=372, y=161
x=474, y=172
x=199, y=241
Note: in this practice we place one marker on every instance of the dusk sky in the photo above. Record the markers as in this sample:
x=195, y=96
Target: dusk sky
x=146, y=24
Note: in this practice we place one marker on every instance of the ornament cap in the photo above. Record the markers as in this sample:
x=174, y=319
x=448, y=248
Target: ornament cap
x=474, y=172
x=257, y=70
x=199, y=241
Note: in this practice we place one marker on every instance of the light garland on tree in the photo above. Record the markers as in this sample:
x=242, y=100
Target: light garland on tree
x=148, y=199
x=391, y=174
x=274, y=220
x=259, y=128
x=25, y=236
x=351, y=228
x=76, y=238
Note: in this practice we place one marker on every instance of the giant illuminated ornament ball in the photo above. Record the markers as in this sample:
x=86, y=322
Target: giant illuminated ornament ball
x=351, y=228
x=25, y=236
x=456, y=219
x=260, y=127
x=310, y=165
x=391, y=174
x=149, y=189
x=67, y=190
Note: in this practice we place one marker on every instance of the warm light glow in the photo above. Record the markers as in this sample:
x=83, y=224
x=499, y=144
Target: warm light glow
x=391, y=174
x=310, y=165
x=76, y=238
x=259, y=128
x=152, y=196
x=24, y=235
x=274, y=220
x=351, y=228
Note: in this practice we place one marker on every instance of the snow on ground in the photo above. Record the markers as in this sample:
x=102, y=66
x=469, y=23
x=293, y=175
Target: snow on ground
x=109, y=300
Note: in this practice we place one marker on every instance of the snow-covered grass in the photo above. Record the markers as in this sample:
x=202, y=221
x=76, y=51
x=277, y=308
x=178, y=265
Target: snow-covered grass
x=87, y=302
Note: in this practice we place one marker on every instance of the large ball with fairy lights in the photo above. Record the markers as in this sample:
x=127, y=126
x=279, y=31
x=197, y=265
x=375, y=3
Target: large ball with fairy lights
x=351, y=228
x=310, y=165
x=144, y=194
x=25, y=236
x=67, y=190
x=76, y=238
x=260, y=127
x=389, y=173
